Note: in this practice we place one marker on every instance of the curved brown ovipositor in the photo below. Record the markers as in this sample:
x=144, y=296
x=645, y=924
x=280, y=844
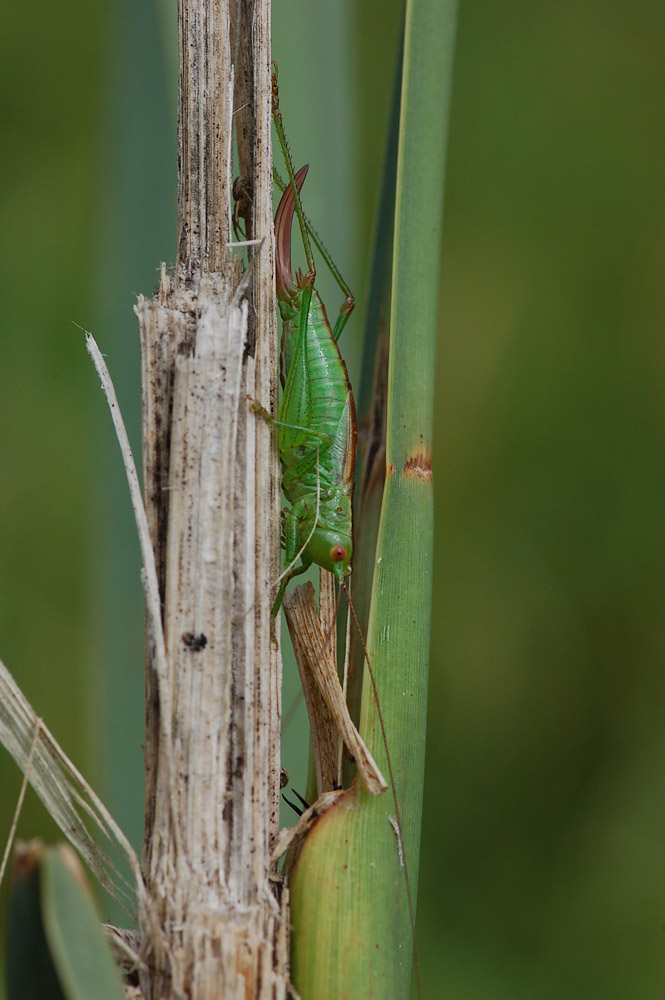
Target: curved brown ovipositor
x=285, y=286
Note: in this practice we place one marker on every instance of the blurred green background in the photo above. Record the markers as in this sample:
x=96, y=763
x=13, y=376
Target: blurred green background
x=542, y=872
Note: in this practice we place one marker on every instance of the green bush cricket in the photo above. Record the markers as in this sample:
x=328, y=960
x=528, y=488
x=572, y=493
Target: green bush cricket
x=316, y=426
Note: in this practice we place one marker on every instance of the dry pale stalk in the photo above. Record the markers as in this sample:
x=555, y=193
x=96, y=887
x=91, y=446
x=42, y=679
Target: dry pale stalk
x=326, y=737
x=212, y=926
x=326, y=703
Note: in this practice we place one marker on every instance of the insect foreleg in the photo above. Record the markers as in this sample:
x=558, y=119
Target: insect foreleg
x=290, y=527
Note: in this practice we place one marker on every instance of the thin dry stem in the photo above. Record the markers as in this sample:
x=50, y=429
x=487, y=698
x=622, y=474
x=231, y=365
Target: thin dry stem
x=319, y=670
x=63, y=789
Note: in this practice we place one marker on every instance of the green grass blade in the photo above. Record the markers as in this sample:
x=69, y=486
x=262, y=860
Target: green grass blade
x=370, y=399
x=350, y=913
x=56, y=946
x=80, y=952
x=378, y=295
x=31, y=974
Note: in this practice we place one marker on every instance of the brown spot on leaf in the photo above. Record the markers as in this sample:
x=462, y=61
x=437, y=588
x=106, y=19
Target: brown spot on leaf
x=419, y=464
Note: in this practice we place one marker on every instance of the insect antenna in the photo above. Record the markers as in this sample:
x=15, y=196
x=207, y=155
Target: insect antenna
x=333, y=618
x=289, y=714
x=286, y=152
x=398, y=814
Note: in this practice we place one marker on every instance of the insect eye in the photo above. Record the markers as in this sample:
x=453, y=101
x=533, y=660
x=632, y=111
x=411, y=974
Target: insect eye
x=338, y=553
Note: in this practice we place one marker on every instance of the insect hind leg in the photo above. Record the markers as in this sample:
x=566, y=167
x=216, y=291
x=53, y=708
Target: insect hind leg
x=349, y=302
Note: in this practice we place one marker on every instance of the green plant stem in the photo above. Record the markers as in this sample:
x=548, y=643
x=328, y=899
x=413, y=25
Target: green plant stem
x=352, y=933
